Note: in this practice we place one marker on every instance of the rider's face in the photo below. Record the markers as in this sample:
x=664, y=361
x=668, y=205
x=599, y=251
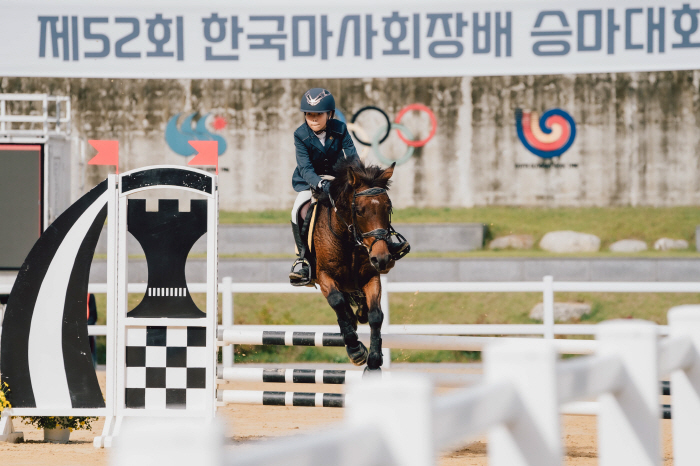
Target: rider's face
x=317, y=121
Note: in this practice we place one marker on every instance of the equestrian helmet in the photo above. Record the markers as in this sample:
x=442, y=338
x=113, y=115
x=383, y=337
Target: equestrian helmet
x=317, y=100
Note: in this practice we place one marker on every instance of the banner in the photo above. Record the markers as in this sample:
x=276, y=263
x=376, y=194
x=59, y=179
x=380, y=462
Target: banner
x=322, y=39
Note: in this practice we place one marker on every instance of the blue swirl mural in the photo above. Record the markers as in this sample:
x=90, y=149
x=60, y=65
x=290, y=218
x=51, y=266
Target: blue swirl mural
x=177, y=138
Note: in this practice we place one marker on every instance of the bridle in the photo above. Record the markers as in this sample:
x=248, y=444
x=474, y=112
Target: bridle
x=380, y=234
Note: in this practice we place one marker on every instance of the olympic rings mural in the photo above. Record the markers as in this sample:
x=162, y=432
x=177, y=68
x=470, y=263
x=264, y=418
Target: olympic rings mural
x=403, y=132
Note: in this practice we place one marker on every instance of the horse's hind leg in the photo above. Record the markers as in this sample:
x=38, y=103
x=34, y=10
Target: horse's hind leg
x=362, y=312
x=351, y=315
x=336, y=299
x=373, y=292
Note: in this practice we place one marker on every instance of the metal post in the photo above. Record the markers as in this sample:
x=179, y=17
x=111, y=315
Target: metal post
x=384, y=303
x=533, y=436
x=227, y=319
x=548, y=306
x=628, y=419
x=685, y=383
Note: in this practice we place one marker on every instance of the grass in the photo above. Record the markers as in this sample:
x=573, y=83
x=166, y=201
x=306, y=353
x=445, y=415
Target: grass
x=608, y=223
x=420, y=308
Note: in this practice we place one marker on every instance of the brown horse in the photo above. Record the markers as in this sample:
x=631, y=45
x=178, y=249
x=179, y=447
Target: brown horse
x=353, y=228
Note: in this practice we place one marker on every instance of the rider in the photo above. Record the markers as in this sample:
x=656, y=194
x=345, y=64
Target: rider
x=320, y=141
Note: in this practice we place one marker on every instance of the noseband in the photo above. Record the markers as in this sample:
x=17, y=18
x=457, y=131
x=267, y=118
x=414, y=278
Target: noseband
x=380, y=234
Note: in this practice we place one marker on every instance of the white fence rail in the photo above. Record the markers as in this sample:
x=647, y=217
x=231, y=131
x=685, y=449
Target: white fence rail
x=547, y=287
x=519, y=406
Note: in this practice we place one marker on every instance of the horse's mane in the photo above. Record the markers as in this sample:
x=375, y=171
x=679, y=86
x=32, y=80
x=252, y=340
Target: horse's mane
x=369, y=175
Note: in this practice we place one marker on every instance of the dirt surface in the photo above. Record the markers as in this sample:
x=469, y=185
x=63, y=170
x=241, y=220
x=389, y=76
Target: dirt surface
x=250, y=425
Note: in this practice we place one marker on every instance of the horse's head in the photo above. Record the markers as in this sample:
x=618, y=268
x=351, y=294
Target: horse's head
x=370, y=209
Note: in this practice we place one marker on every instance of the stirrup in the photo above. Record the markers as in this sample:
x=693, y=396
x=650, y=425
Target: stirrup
x=300, y=281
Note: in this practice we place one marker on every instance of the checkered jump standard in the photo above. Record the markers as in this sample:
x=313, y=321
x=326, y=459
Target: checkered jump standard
x=166, y=367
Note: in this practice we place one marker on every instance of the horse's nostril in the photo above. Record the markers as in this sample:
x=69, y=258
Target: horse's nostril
x=374, y=260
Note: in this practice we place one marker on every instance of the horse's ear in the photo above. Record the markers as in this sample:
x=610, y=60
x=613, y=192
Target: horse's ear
x=353, y=179
x=388, y=172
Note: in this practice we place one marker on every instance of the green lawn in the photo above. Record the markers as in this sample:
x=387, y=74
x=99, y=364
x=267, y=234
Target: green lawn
x=608, y=223
x=423, y=308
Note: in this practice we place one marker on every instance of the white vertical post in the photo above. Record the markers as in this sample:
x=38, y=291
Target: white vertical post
x=384, y=303
x=45, y=113
x=628, y=419
x=533, y=437
x=548, y=306
x=402, y=408
x=112, y=309
x=212, y=294
x=7, y=431
x=227, y=319
x=685, y=388
x=2, y=115
x=68, y=115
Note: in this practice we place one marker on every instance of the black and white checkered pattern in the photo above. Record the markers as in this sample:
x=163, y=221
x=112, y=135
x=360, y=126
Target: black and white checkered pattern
x=166, y=367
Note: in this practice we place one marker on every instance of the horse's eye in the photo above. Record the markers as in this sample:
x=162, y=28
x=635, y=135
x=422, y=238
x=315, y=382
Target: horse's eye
x=360, y=212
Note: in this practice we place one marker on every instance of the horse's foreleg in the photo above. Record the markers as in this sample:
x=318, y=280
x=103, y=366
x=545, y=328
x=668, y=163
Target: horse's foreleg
x=373, y=292
x=336, y=299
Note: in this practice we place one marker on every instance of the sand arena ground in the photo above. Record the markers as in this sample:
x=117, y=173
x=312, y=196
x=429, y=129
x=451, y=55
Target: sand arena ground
x=253, y=425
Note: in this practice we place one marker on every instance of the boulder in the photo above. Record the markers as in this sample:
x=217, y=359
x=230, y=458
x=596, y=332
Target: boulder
x=628, y=245
x=512, y=242
x=667, y=244
x=569, y=241
x=563, y=312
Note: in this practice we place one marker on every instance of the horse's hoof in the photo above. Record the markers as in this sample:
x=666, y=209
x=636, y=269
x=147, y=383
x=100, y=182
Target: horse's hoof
x=375, y=361
x=358, y=355
x=369, y=373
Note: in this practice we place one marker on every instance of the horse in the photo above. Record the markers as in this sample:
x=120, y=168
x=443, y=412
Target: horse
x=351, y=236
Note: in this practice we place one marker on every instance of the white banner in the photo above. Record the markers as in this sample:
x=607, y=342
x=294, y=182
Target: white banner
x=333, y=39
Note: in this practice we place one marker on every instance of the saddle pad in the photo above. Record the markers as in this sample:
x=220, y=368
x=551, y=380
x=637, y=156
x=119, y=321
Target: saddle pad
x=312, y=224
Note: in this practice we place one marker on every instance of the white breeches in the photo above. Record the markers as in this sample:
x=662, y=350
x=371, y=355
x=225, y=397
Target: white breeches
x=302, y=197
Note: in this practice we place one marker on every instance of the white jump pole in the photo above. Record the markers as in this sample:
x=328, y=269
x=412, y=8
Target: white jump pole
x=394, y=341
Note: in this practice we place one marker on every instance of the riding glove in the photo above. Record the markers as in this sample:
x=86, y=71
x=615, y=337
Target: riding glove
x=325, y=186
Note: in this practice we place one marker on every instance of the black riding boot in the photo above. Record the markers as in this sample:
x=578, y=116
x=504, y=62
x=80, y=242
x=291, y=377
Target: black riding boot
x=301, y=276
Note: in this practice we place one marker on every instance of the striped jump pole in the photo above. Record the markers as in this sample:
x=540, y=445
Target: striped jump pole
x=313, y=376
x=270, y=398
x=228, y=336
x=329, y=376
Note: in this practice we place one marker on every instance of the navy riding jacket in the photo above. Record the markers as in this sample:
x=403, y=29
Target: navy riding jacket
x=315, y=159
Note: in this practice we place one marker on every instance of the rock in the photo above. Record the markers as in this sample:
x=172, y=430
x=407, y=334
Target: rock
x=569, y=241
x=628, y=245
x=563, y=312
x=667, y=244
x=512, y=242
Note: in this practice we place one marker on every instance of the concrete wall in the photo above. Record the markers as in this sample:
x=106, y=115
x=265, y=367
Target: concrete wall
x=638, y=139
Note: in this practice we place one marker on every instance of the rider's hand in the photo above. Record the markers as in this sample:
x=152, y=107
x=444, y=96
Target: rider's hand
x=325, y=186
